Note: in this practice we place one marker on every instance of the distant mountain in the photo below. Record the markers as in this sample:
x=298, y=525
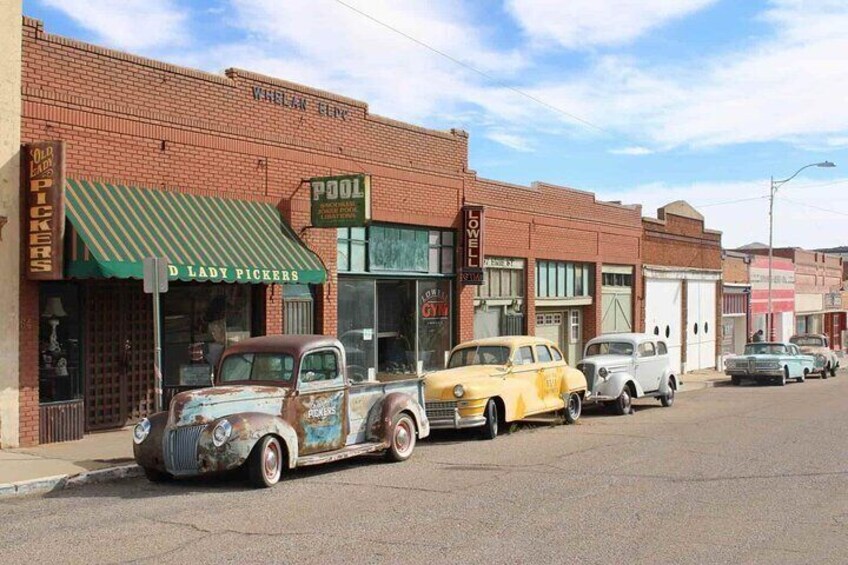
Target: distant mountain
x=754, y=245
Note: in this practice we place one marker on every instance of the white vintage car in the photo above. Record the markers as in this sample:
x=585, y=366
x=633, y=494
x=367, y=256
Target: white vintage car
x=621, y=367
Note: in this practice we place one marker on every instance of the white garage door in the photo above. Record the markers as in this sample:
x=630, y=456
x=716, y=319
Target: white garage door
x=700, y=327
x=663, y=314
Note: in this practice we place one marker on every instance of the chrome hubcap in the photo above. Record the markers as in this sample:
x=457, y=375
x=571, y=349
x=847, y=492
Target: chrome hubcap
x=402, y=438
x=271, y=461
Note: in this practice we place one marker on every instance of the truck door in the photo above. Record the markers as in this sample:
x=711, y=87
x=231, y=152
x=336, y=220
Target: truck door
x=321, y=402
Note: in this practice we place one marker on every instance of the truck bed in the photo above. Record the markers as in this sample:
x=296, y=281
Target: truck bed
x=364, y=395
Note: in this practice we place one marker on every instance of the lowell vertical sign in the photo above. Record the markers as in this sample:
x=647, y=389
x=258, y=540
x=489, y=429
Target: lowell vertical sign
x=471, y=271
x=44, y=224
x=341, y=201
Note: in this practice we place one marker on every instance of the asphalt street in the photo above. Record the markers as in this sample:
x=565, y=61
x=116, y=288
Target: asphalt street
x=753, y=474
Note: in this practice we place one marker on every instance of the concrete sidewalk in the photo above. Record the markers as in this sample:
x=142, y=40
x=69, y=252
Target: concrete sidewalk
x=98, y=456
x=699, y=380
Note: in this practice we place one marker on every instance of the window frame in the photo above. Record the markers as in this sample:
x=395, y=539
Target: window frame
x=324, y=384
x=653, y=352
x=545, y=348
x=518, y=352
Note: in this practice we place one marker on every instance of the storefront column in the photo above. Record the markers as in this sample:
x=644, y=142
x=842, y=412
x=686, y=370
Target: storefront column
x=10, y=142
x=273, y=309
x=465, y=312
x=593, y=318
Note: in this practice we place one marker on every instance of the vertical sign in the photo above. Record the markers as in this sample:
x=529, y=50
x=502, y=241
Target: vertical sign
x=471, y=271
x=44, y=224
x=341, y=202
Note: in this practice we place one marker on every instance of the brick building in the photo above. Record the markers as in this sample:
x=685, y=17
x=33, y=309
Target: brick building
x=736, y=302
x=818, y=297
x=682, y=278
x=213, y=172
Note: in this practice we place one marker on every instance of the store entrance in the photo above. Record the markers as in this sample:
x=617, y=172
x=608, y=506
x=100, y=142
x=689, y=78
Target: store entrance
x=396, y=327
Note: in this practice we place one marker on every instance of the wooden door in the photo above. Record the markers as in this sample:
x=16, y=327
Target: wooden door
x=119, y=354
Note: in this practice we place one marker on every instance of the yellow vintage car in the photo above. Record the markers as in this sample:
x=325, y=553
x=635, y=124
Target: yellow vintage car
x=489, y=382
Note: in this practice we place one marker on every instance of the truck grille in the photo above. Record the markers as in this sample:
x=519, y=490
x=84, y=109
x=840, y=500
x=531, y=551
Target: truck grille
x=440, y=410
x=181, y=449
x=588, y=370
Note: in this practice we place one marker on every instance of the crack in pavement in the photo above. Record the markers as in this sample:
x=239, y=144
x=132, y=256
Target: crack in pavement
x=208, y=531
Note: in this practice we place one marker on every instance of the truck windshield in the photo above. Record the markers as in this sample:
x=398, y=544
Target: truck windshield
x=808, y=341
x=609, y=348
x=483, y=355
x=275, y=367
x=765, y=349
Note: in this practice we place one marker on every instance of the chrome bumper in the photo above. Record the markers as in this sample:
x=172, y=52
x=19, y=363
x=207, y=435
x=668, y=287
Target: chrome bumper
x=445, y=415
x=764, y=373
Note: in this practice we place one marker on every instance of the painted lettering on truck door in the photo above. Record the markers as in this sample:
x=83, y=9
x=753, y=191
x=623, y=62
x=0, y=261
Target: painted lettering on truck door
x=321, y=403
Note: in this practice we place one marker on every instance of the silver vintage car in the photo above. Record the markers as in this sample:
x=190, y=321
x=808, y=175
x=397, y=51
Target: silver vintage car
x=818, y=346
x=621, y=367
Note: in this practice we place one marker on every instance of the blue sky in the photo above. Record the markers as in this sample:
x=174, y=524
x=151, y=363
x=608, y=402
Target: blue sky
x=701, y=100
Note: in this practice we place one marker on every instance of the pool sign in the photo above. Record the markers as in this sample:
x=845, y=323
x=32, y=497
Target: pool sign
x=341, y=202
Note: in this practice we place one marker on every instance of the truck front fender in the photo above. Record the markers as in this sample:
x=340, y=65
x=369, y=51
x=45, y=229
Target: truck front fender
x=149, y=454
x=248, y=429
x=382, y=415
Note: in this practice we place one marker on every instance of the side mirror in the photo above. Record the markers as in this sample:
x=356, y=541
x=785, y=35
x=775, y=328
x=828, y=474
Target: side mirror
x=509, y=364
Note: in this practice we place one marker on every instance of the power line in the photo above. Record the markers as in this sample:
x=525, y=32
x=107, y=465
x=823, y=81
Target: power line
x=731, y=201
x=814, y=207
x=478, y=71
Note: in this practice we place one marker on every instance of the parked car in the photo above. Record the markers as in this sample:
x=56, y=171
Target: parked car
x=621, y=367
x=280, y=402
x=489, y=382
x=817, y=345
x=770, y=362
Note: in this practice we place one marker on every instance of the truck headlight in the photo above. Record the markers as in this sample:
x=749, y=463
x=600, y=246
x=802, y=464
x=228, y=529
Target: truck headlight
x=141, y=431
x=221, y=433
x=603, y=373
x=459, y=391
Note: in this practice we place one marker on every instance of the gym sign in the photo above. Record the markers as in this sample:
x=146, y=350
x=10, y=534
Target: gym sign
x=44, y=224
x=471, y=271
x=341, y=202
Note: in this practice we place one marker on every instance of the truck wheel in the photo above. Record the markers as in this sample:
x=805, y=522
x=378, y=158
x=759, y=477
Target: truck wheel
x=624, y=402
x=265, y=465
x=156, y=476
x=573, y=408
x=668, y=399
x=735, y=380
x=402, y=439
x=490, y=428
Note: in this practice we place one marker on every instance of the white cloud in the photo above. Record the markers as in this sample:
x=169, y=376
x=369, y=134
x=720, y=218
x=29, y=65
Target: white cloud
x=511, y=140
x=740, y=209
x=585, y=23
x=129, y=24
x=634, y=150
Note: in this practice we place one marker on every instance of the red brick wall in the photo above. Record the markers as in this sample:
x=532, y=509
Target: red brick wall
x=735, y=270
x=815, y=272
x=140, y=122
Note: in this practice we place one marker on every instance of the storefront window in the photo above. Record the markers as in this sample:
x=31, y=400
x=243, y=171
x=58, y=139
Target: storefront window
x=198, y=321
x=556, y=279
x=60, y=332
x=356, y=328
x=395, y=249
x=351, y=249
x=434, y=323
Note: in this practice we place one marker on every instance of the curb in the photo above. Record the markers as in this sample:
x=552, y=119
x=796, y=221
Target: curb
x=56, y=483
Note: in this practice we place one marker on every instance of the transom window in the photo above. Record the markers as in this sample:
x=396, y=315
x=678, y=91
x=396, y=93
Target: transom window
x=557, y=279
x=384, y=248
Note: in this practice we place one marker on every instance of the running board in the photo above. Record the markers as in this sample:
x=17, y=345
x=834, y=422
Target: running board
x=339, y=454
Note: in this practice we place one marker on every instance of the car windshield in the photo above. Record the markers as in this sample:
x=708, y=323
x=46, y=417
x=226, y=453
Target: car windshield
x=808, y=341
x=765, y=349
x=275, y=367
x=482, y=355
x=609, y=348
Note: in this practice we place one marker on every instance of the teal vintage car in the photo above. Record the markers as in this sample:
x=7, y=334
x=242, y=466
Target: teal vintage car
x=771, y=362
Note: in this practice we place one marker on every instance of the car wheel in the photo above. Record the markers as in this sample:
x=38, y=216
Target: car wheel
x=781, y=380
x=157, y=476
x=490, y=428
x=573, y=408
x=825, y=371
x=668, y=398
x=735, y=381
x=624, y=402
x=403, y=438
x=833, y=371
x=265, y=465
x=802, y=378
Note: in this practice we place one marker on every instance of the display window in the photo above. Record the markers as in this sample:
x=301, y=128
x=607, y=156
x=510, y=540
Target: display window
x=60, y=337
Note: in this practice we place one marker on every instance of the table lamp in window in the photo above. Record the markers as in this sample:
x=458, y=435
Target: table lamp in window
x=54, y=310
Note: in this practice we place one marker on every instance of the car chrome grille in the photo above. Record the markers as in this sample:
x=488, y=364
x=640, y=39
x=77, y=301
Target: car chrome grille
x=588, y=370
x=181, y=449
x=440, y=410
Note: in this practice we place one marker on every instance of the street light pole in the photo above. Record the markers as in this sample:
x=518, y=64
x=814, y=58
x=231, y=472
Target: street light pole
x=772, y=191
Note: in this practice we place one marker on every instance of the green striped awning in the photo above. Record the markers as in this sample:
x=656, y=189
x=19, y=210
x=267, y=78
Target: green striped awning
x=204, y=238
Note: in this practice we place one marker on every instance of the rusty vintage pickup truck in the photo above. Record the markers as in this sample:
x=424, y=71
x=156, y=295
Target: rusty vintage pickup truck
x=280, y=402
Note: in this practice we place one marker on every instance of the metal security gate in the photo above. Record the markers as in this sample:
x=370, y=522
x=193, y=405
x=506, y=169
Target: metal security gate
x=119, y=354
x=298, y=317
